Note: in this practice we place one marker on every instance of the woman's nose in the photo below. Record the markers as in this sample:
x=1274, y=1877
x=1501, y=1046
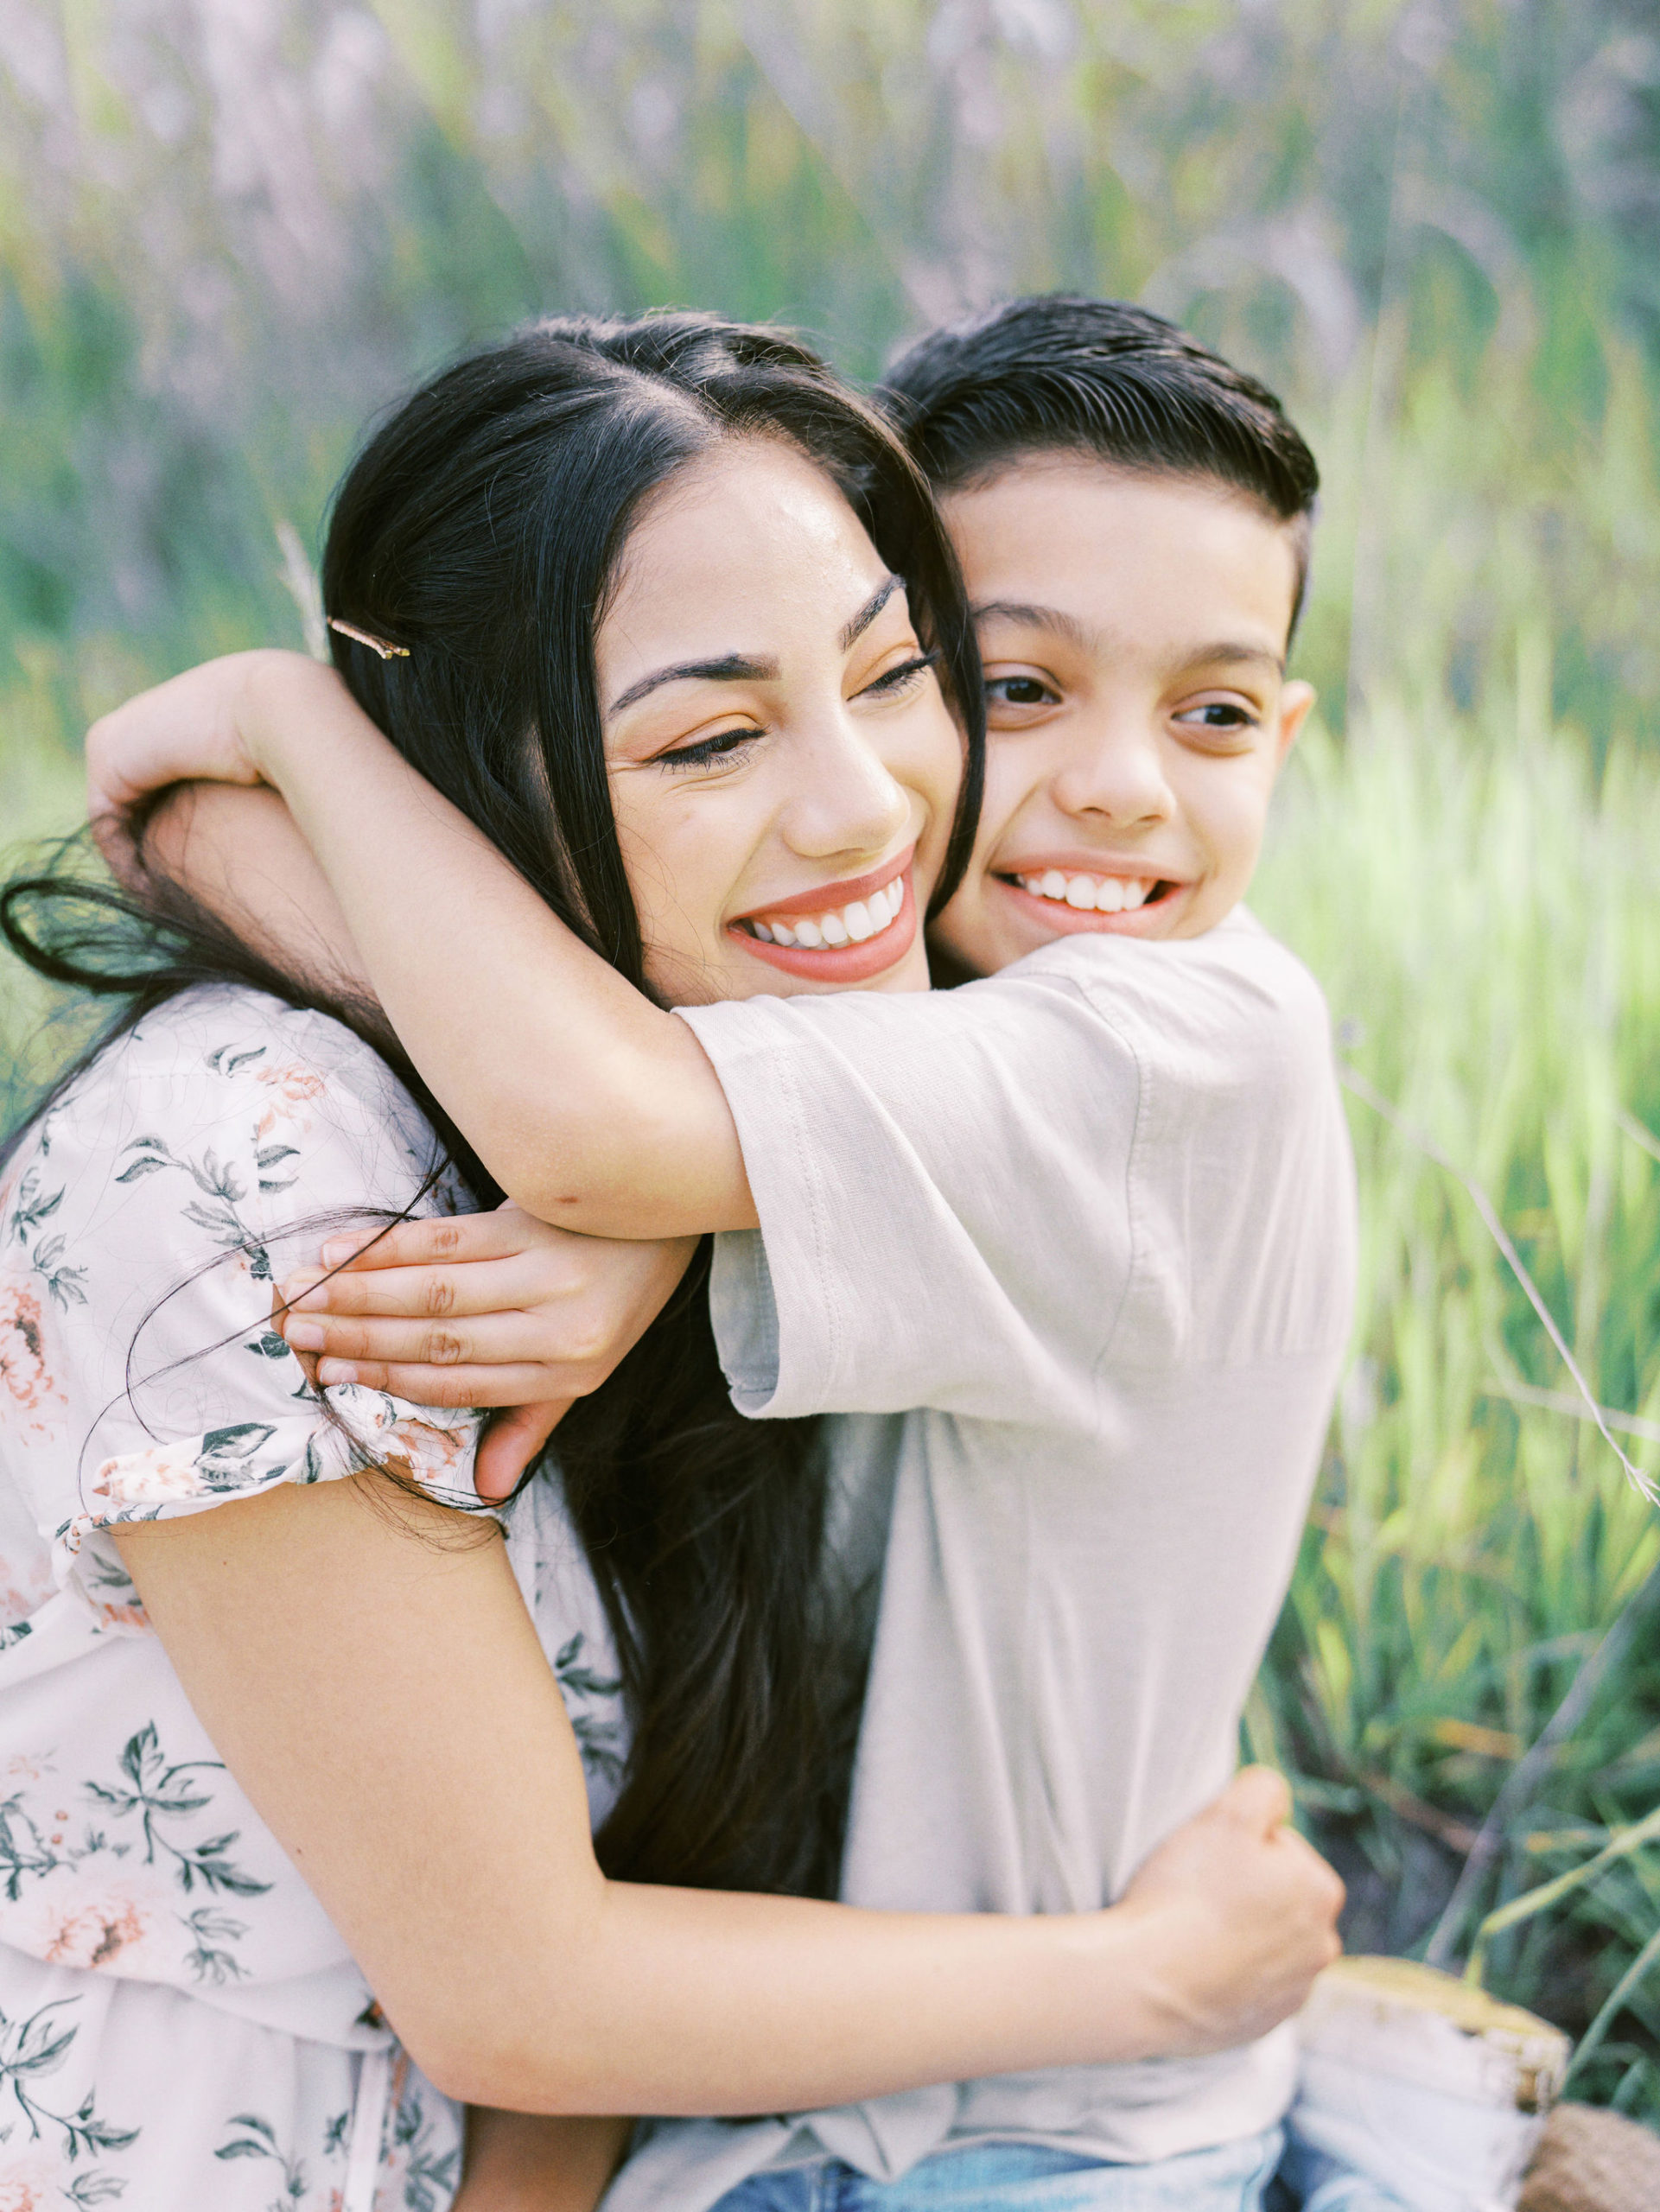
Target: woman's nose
x=851, y=801
x=1120, y=775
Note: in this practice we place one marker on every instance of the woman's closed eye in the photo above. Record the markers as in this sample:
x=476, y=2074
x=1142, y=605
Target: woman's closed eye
x=725, y=748
x=899, y=682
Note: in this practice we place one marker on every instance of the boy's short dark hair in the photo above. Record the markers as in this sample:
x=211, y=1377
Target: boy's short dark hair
x=1062, y=372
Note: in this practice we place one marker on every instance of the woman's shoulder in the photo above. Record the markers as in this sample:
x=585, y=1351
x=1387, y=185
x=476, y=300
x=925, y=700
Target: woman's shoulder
x=226, y=1051
x=237, y=1089
x=230, y=1035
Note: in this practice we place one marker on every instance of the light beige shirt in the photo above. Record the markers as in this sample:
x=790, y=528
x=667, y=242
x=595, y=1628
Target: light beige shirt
x=1070, y=1253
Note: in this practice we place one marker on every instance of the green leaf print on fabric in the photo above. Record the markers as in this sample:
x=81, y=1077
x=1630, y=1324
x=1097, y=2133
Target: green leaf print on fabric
x=24, y=1850
x=218, y=1182
x=225, y=1059
x=95, y=2188
x=32, y=1209
x=223, y=1460
x=258, y=2140
x=431, y=2180
x=31, y=2049
x=271, y=1155
x=598, y=1740
x=160, y=1792
x=207, y=1960
x=66, y=1285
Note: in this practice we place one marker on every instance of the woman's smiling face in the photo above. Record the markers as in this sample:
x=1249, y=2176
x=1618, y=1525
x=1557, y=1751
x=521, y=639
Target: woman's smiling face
x=784, y=769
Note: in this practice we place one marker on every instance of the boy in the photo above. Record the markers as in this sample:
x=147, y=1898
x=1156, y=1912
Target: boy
x=1133, y=520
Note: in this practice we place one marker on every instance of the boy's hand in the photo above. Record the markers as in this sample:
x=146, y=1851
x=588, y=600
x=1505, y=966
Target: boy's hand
x=1245, y=1915
x=483, y=1309
x=198, y=727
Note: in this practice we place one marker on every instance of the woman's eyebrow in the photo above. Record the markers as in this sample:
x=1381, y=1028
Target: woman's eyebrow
x=729, y=668
x=872, y=607
x=743, y=668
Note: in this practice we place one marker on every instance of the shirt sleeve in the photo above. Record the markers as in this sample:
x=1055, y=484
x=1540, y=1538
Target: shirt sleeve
x=145, y=1223
x=908, y=1157
x=966, y=1197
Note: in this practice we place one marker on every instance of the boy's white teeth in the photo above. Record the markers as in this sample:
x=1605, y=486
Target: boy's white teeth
x=1102, y=894
x=850, y=924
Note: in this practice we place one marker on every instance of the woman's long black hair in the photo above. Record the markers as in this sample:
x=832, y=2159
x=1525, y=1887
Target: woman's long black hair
x=481, y=527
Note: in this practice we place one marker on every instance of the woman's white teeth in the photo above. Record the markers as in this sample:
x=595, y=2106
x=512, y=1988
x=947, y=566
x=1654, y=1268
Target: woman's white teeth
x=1102, y=894
x=849, y=924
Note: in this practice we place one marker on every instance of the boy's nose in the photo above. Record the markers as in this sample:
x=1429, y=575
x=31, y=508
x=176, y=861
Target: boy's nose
x=1120, y=776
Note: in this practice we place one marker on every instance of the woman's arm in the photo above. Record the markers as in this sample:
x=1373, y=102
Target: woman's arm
x=368, y=1671
x=529, y=2162
x=592, y=1107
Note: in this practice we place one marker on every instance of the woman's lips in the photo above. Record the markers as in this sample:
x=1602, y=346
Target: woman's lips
x=1155, y=917
x=839, y=963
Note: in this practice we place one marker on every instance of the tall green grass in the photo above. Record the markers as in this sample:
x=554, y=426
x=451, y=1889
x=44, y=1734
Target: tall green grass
x=1484, y=913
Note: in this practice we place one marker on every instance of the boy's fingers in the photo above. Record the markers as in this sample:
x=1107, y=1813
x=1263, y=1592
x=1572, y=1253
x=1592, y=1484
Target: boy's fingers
x=484, y=1340
x=1257, y=1798
x=510, y=1442
x=422, y=1243
x=439, y=1386
x=406, y=1294
x=476, y=1341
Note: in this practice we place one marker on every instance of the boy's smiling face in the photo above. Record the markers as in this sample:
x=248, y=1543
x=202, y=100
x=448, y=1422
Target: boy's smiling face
x=1133, y=631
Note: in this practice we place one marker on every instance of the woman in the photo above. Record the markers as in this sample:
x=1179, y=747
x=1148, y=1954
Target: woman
x=542, y=560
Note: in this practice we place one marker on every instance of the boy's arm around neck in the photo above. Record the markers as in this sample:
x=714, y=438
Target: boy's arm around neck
x=592, y=1107
x=238, y=852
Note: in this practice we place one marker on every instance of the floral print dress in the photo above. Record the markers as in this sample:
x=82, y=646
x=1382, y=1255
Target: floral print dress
x=180, y=2025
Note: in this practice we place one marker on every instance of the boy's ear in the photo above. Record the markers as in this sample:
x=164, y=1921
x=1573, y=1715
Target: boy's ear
x=1296, y=702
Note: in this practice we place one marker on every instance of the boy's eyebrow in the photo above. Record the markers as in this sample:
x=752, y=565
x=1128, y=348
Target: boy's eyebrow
x=1062, y=624
x=729, y=668
x=1229, y=649
x=1053, y=619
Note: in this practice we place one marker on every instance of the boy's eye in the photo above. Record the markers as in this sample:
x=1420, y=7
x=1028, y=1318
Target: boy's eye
x=726, y=746
x=1226, y=716
x=1021, y=692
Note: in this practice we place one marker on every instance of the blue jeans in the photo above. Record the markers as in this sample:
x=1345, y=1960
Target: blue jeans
x=1024, y=2177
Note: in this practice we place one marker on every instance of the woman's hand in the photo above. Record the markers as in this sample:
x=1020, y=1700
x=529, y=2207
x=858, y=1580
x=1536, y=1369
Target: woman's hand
x=485, y=1309
x=1243, y=1912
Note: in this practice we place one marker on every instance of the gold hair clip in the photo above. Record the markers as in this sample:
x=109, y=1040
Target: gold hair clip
x=375, y=645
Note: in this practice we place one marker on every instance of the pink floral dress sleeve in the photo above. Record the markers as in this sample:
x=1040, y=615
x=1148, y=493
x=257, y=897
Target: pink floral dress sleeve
x=180, y=2022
